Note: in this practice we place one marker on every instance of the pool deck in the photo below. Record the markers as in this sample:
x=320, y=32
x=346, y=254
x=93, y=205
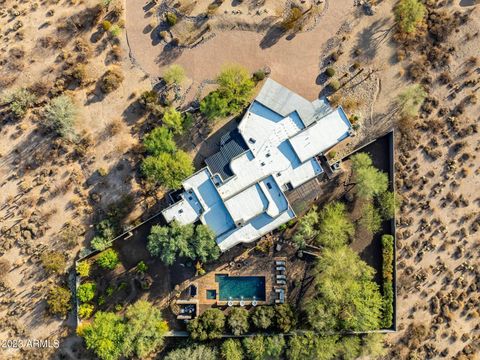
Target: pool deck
x=248, y=267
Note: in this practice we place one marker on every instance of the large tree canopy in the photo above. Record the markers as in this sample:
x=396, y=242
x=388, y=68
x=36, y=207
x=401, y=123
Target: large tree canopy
x=159, y=140
x=177, y=240
x=347, y=298
x=209, y=325
x=305, y=230
x=335, y=227
x=409, y=15
x=168, y=169
x=197, y=352
x=369, y=180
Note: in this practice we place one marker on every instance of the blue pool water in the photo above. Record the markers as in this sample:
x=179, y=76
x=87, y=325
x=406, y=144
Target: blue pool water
x=240, y=287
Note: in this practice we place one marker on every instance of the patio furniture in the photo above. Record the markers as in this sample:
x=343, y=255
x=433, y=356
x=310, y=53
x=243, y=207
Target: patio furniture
x=254, y=303
x=280, y=268
x=280, y=262
x=242, y=303
x=281, y=282
x=230, y=303
x=282, y=277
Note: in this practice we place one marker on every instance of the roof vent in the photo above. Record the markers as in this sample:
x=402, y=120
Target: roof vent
x=252, y=140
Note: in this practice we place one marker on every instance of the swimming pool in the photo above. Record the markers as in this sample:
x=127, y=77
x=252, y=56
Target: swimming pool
x=240, y=287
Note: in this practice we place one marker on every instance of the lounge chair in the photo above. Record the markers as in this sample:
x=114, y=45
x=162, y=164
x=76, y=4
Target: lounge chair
x=280, y=268
x=281, y=282
x=283, y=277
x=280, y=263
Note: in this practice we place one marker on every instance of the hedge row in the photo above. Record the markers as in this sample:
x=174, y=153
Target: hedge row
x=387, y=246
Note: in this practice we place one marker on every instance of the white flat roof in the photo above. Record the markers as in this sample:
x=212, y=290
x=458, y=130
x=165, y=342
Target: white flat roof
x=247, y=204
x=183, y=211
x=321, y=136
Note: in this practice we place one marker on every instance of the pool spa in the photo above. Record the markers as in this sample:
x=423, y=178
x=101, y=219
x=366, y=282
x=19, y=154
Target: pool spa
x=240, y=287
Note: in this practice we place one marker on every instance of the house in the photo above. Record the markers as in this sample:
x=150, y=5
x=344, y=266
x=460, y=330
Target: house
x=240, y=194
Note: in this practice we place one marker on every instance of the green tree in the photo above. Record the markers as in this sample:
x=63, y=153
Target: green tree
x=85, y=311
x=83, y=268
x=60, y=115
x=305, y=229
x=335, y=228
x=237, y=321
x=54, y=262
x=371, y=218
x=175, y=74
x=231, y=349
x=59, y=300
x=86, y=291
x=388, y=204
x=19, y=102
x=214, y=106
x=234, y=90
x=349, y=347
x=197, y=352
x=274, y=346
x=209, y=325
x=262, y=316
x=168, y=242
x=373, y=345
x=105, y=335
x=347, y=297
x=204, y=245
x=369, y=180
x=168, y=169
x=254, y=347
x=145, y=329
x=236, y=85
x=100, y=243
x=409, y=14
x=310, y=346
x=160, y=140
x=410, y=100
x=173, y=120
x=108, y=259
x=284, y=318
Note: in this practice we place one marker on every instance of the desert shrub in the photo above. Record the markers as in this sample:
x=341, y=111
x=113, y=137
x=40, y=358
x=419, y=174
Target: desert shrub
x=100, y=243
x=409, y=14
x=208, y=326
x=69, y=235
x=108, y=259
x=410, y=101
x=59, y=300
x=171, y=18
x=262, y=317
x=387, y=271
x=330, y=72
x=19, y=102
x=112, y=79
x=86, y=292
x=83, y=268
x=54, y=262
x=60, y=115
x=237, y=321
x=259, y=75
x=292, y=18
x=334, y=85
x=115, y=30
x=175, y=74
x=106, y=25
x=85, y=311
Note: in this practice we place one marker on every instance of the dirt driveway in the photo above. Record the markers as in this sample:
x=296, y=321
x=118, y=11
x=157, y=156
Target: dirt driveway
x=294, y=61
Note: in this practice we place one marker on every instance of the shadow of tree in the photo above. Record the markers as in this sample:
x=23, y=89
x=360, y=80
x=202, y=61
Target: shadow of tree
x=169, y=54
x=273, y=35
x=372, y=37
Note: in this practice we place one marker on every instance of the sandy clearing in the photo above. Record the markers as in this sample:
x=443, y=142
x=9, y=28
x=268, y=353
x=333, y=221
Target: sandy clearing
x=294, y=63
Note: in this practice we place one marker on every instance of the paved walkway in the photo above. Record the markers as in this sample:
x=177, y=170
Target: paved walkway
x=294, y=62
